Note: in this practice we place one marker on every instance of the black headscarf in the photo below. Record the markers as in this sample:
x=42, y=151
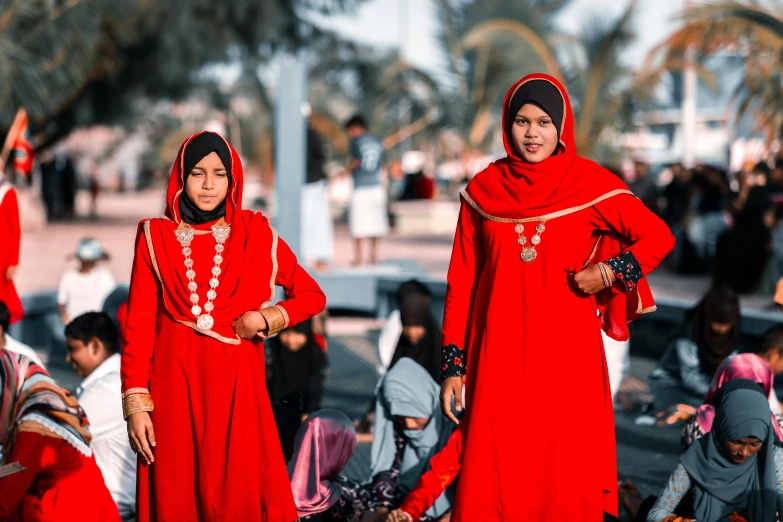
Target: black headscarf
x=720, y=305
x=542, y=93
x=415, y=311
x=200, y=147
x=412, y=286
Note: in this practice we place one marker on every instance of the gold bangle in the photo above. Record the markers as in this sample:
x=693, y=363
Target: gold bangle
x=136, y=403
x=602, y=267
x=134, y=391
x=275, y=320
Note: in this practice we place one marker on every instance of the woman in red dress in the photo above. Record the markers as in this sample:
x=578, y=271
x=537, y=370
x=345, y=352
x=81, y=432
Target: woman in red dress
x=203, y=279
x=524, y=304
x=45, y=439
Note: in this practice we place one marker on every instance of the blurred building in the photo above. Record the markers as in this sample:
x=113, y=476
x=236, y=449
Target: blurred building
x=722, y=139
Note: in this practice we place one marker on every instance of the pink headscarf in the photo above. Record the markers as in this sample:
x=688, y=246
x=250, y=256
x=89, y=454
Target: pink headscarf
x=744, y=366
x=324, y=445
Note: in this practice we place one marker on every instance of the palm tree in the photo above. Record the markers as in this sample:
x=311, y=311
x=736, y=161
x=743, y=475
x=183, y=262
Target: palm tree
x=401, y=101
x=477, y=39
x=751, y=28
x=76, y=62
x=507, y=39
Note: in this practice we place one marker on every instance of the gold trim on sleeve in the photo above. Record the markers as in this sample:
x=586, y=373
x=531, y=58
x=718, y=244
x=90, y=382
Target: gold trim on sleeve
x=285, y=316
x=136, y=403
x=275, y=320
x=134, y=391
x=275, y=240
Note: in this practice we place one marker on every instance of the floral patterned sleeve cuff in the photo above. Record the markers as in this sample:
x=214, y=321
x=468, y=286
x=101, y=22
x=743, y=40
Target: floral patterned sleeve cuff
x=626, y=269
x=452, y=360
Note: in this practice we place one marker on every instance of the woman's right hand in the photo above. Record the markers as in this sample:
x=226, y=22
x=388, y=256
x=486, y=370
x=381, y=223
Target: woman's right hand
x=451, y=387
x=141, y=435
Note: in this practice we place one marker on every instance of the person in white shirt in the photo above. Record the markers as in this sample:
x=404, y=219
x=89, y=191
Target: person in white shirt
x=85, y=289
x=9, y=343
x=92, y=347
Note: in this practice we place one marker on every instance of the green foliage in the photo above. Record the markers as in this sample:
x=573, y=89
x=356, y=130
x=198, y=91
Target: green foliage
x=79, y=62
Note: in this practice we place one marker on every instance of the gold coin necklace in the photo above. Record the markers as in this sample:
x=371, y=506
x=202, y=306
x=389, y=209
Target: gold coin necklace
x=529, y=253
x=185, y=233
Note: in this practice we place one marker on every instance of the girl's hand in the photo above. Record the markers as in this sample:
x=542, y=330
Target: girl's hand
x=398, y=515
x=451, y=387
x=589, y=280
x=249, y=324
x=141, y=435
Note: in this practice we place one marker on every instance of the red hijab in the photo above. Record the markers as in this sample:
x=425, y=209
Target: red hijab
x=249, y=266
x=511, y=188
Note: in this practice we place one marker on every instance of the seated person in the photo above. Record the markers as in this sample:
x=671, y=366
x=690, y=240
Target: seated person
x=444, y=468
x=709, y=335
x=45, y=434
x=295, y=363
x=735, y=471
x=324, y=444
x=771, y=350
x=743, y=366
x=392, y=328
x=421, y=336
x=92, y=352
x=9, y=343
x=116, y=306
x=409, y=431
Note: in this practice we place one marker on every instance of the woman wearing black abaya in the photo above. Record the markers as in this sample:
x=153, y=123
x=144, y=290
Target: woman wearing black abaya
x=421, y=336
x=295, y=363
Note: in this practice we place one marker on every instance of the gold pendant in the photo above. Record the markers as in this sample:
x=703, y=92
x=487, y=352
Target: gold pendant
x=528, y=254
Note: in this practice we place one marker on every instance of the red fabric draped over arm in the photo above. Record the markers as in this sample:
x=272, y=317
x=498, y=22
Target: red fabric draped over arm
x=139, y=332
x=632, y=228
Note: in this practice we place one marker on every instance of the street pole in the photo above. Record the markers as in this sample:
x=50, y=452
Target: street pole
x=290, y=147
x=405, y=105
x=689, y=104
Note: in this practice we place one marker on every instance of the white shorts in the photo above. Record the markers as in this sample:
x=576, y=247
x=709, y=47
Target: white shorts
x=368, y=213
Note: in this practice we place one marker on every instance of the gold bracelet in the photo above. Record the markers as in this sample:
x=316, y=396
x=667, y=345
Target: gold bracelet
x=604, y=275
x=135, y=403
x=275, y=320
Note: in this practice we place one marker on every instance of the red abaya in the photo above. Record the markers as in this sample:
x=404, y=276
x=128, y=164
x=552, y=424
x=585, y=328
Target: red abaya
x=11, y=235
x=532, y=343
x=218, y=456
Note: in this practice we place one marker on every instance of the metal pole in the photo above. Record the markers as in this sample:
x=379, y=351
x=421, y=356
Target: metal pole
x=405, y=105
x=689, y=105
x=290, y=147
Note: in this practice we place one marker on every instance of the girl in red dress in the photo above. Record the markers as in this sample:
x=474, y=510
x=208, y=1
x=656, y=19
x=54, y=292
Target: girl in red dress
x=203, y=278
x=46, y=436
x=524, y=304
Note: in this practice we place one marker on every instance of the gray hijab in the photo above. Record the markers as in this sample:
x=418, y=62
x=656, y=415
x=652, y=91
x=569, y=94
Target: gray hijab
x=720, y=485
x=409, y=391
